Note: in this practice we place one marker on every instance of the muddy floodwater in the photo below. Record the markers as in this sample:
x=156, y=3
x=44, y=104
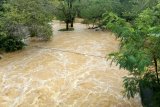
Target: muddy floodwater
x=69, y=71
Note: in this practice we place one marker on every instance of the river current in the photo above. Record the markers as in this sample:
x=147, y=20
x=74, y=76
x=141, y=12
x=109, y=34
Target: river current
x=70, y=70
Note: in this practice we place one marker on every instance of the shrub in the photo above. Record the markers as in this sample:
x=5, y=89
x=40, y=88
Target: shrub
x=11, y=44
x=43, y=31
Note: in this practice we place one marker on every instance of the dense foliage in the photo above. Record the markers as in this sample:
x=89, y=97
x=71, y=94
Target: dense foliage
x=129, y=9
x=139, y=52
x=65, y=10
x=92, y=10
x=10, y=44
x=24, y=18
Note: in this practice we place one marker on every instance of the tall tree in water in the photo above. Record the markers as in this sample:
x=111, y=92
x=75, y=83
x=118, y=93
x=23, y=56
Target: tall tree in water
x=65, y=11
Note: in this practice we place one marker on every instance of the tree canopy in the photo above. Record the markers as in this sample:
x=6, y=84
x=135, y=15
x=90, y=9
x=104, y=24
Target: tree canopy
x=65, y=10
x=139, y=50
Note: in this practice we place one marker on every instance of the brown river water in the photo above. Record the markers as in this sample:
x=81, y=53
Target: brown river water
x=69, y=71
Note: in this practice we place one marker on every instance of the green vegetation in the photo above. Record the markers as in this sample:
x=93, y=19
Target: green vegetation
x=129, y=9
x=20, y=19
x=92, y=10
x=139, y=52
x=10, y=44
x=66, y=11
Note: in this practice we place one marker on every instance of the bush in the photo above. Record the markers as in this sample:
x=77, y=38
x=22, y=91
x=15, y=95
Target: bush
x=11, y=44
x=43, y=31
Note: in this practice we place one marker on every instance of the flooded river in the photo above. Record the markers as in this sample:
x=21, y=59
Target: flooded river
x=69, y=71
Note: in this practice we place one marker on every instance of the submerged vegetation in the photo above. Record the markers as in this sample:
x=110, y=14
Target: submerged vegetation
x=135, y=22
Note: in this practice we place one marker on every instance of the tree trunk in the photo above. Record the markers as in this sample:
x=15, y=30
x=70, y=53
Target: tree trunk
x=94, y=21
x=156, y=68
x=93, y=25
x=67, y=26
x=146, y=94
x=72, y=24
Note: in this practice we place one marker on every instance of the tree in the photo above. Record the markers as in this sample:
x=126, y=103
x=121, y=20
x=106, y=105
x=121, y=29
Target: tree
x=129, y=9
x=139, y=52
x=92, y=10
x=65, y=11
